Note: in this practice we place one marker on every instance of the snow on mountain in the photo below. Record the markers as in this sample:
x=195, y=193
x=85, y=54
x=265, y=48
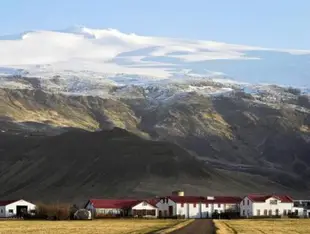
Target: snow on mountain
x=82, y=51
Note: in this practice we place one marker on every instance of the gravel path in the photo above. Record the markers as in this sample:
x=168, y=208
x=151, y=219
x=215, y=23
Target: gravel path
x=199, y=226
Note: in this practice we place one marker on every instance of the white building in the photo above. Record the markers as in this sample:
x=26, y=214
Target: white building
x=266, y=205
x=144, y=209
x=196, y=207
x=13, y=208
x=303, y=205
x=122, y=207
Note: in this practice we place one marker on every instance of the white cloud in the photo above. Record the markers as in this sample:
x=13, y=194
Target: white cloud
x=94, y=49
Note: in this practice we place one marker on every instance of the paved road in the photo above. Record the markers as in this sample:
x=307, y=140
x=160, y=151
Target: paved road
x=199, y=226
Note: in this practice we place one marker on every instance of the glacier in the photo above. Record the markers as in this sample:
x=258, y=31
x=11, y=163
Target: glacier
x=96, y=54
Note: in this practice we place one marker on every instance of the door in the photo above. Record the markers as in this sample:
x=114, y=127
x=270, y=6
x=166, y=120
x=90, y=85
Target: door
x=21, y=211
x=170, y=211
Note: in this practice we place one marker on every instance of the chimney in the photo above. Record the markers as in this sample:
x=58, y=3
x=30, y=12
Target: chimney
x=178, y=193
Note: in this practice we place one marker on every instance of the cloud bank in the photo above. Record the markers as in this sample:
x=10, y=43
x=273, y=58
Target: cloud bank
x=111, y=51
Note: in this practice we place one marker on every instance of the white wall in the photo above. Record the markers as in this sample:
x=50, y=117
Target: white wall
x=101, y=211
x=5, y=210
x=194, y=211
x=206, y=210
x=251, y=208
x=300, y=211
x=145, y=206
x=267, y=206
x=246, y=207
x=2, y=211
x=220, y=208
x=163, y=206
x=182, y=210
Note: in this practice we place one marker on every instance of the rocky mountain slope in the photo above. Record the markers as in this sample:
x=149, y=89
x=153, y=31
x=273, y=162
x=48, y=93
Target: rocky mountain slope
x=248, y=138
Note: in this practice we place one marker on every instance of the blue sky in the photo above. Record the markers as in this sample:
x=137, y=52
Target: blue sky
x=268, y=23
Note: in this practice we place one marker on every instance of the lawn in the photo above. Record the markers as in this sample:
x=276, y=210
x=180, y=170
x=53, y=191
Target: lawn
x=92, y=227
x=274, y=226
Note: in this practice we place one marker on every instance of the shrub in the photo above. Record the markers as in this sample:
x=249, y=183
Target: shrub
x=52, y=211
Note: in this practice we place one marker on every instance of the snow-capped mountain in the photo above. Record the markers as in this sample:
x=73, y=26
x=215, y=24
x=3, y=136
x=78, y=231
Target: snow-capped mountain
x=101, y=53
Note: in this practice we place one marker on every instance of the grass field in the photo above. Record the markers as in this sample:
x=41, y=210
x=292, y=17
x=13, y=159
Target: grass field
x=280, y=226
x=91, y=227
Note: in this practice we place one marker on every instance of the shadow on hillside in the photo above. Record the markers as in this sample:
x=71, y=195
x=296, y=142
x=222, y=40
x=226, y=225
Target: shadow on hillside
x=266, y=136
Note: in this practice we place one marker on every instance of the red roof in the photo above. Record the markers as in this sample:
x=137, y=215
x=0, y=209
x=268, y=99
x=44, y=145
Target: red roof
x=112, y=203
x=119, y=203
x=263, y=198
x=196, y=199
x=7, y=202
x=227, y=200
x=153, y=201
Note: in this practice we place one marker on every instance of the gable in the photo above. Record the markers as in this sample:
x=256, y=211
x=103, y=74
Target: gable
x=10, y=202
x=143, y=205
x=268, y=198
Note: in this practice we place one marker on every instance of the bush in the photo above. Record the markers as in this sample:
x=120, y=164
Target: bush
x=52, y=211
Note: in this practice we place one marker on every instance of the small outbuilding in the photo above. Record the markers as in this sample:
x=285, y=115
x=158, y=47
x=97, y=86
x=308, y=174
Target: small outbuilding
x=16, y=208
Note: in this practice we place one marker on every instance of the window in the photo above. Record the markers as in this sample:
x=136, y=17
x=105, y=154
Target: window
x=265, y=212
x=143, y=212
x=270, y=212
x=258, y=212
x=1, y=210
x=219, y=205
x=11, y=211
x=289, y=211
x=194, y=204
x=273, y=202
x=296, y=212
x=284, y=212
x=182, y=204
x=277, y=212
x=243, y=213
x=144, y=204
x=165, y=213
x=248, y=202
x=207, y=205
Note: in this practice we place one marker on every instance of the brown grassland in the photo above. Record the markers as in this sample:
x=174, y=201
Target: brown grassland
x=272, y=226
x=130, y=226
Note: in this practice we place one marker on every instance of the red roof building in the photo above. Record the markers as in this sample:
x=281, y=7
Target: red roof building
x=266, y=205
x=263, y=198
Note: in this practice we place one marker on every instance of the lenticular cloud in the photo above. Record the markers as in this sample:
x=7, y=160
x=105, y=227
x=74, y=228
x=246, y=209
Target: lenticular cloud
x=111, y=51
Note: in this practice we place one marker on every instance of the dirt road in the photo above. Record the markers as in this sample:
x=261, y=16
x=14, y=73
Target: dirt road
x=199, y=226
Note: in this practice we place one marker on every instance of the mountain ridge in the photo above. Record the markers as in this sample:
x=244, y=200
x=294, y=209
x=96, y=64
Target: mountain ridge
x=236, y=135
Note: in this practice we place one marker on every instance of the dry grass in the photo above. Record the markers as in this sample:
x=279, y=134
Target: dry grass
x=279, y=226
x=91, y=227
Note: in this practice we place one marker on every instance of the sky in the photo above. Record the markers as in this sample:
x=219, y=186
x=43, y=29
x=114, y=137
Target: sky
x=266, y=23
